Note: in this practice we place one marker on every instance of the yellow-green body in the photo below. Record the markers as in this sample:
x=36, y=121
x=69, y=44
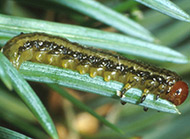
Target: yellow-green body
x=44, y=48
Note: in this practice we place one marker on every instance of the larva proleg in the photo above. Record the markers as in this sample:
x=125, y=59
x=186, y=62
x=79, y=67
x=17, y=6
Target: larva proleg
x=57, y=51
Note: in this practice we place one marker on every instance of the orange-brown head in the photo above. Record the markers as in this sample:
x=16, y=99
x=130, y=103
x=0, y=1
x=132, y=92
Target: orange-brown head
x=178, y=93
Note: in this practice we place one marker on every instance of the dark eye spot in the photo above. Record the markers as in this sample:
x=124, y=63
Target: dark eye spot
x=178, y=91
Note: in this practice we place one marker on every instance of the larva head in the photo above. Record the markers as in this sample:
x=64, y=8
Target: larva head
x=178, y=93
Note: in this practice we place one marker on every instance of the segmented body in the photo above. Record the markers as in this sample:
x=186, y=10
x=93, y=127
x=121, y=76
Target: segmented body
x=44, y=48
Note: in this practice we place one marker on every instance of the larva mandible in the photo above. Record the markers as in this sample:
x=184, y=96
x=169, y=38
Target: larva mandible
x=54, y=50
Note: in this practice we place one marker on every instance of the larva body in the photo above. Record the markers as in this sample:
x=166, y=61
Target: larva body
x=44, y=48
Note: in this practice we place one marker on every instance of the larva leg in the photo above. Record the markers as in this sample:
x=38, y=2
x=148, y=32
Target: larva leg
x=83, y=69
x=145, y=109
x=119, y=95
x=123, y=102
x=109, y=75
x=93, y=72
x=125, y=88
x=144, y=94
x=22, y=55
x=157, y=96
x=122, y=92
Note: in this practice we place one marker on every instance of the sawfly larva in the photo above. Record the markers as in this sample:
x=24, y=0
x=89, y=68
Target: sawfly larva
x=57, y=51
